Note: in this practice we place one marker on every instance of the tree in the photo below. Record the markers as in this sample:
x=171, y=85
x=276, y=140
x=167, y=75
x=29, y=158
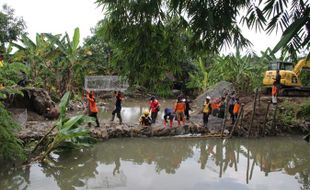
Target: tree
x=147, y=44
x=10, y=147
x=291, y=17
x=70, y=57
x=214, y=23
x=11, y=27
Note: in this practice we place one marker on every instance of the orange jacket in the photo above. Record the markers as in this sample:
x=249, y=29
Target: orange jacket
x=179, y=107
x=92, y=104
x=236, y=108
x=274, y=90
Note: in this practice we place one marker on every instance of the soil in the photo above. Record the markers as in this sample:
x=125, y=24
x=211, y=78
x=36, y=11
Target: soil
x=37, y=125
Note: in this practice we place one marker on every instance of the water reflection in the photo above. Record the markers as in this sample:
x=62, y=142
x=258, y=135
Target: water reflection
x=268, y=163
x=132, y=110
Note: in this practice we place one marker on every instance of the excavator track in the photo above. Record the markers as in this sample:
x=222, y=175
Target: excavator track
x=296, y=91
x=290, y=91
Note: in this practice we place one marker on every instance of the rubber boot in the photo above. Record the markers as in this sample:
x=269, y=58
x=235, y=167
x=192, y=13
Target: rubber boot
x=165, y=123
x=171, y=123
x=113, y=115
x=120, y=120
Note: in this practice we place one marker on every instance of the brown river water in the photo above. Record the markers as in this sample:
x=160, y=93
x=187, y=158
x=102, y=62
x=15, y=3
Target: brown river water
x=171, y=163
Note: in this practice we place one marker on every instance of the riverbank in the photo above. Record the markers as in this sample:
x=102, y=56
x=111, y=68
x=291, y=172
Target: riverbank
x=259, y=118
x=261, y=126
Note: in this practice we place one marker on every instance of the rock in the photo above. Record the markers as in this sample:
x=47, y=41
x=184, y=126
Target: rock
x=161, y=131
x=34, y=99
x=215, y=91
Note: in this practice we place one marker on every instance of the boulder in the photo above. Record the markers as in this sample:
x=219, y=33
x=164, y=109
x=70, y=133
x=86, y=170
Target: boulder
x=215, y=91
x=34, y=99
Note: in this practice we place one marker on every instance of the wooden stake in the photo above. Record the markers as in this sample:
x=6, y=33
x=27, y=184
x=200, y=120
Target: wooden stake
x=41, y=140
x=274, y=122
x=253, y=113
x=247, y=167
x=225, y=114
x=266, y=118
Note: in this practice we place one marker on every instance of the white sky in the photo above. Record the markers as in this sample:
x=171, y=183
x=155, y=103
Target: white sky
x=60, y=16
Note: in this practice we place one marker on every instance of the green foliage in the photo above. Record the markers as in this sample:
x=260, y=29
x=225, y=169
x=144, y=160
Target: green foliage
x=11, y=27
x=69, y=131
x=57, y=62
x=213, y=22
x=305, y=109
x=290, y=17
x=305, y=77
x=198, y=79
x=11, y=148
x=147, y=44
x=12, y=72
x=287, y=113
x=246, y=73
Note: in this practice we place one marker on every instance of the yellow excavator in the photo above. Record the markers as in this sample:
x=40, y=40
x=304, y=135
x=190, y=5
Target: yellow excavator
x=290, y=77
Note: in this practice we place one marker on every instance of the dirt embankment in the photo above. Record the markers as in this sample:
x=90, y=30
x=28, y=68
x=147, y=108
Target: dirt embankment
x=261, y=123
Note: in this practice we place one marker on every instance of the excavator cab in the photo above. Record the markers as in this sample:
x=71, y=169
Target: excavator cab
x=280, y=65
x=290, y=76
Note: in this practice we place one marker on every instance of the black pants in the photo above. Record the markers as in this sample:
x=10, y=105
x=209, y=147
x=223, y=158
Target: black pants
x=205, y=119
x=186, y=112
x=231, y=110
x=117, y=111
x=154, y=116
x=94, y=114
x=235, y=115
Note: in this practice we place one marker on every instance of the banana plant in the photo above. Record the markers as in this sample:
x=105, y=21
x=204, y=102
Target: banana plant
x=70, y=51
x=70, y=134
x=198, y=79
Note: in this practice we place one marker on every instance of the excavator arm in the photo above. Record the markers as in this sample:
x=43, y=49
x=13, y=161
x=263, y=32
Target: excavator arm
x=300, y=65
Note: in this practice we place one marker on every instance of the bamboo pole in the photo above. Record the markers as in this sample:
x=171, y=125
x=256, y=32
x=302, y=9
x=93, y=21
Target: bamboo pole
x=236, y=123
x=241, y=122
x=274, y=118
x=225, y=114
x=247, y=167
x=266, y=117
x=253, y=113
x=41, y=140
x=252, y=168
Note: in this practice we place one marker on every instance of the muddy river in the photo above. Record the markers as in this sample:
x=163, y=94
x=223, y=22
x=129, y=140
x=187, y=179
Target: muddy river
x=171, y=163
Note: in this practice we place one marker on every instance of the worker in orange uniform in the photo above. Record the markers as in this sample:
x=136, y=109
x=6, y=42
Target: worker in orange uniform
x=236, y=110
x=274, y=93
x=93, y=110
x=179, y=109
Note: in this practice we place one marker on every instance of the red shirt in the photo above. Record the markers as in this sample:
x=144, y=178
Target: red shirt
x=153, y=105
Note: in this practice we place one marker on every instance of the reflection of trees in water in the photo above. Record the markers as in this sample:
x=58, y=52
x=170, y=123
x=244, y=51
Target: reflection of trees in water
x=289, y=154
x=166, y=154
x=14, y=178
x=71, y=168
